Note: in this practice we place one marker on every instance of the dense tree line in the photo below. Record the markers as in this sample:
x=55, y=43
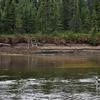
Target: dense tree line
x=48, y=16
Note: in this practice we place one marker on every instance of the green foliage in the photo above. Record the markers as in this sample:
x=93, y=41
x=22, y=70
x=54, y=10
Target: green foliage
x=49, y=16
x=85, y=17
x=94, y=41
x=67, y=13
x=28, y=18
x=76, y=20
x=94, y=23
x=9, y=19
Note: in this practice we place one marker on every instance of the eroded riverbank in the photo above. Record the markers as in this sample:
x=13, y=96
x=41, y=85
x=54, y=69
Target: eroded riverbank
x=49, y=49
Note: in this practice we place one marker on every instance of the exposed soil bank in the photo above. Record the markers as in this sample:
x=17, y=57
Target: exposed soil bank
x=49, y=49
x=55, y=40
x=25, y=44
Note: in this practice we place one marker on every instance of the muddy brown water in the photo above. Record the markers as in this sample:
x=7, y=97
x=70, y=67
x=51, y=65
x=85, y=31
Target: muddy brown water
x=49, y=77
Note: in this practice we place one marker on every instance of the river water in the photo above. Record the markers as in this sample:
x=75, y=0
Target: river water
x=49, y=77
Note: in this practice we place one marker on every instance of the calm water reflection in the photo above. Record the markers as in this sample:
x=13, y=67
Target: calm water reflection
x=69, y=77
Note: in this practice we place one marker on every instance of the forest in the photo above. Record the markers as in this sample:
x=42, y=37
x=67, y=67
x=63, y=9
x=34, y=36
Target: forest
x=49, y=16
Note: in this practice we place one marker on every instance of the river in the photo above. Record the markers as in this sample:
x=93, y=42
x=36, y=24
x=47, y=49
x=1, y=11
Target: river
x=49, y=77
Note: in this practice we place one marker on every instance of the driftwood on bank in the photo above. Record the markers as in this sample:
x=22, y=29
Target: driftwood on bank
x=4, y=44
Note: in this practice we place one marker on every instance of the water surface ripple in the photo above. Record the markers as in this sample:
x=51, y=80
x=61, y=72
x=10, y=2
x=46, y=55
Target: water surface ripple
x=68, y=77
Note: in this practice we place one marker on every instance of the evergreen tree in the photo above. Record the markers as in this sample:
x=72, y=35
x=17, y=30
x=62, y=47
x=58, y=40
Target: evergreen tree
x=85, y=16
x=2, y=13
x=28, y=17
x=90, y=5
x=58, y=15
x=97, y=5
x=76, y=20
x=48, y=16
x=0, y=20
x=45, y=16
x=10, y=16
x=67, y=13
x=94, y=17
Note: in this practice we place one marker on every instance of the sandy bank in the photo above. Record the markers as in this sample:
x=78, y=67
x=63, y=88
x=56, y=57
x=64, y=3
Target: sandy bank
x=48, y=49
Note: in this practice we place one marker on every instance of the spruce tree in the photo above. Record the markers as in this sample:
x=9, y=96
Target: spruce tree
x=76, y=20
x=10, y=16
x=97, y=5
x=67, y=13
x=28, y=18
x=94, y=17
x=58, y=15
x=85, y=16
x=44, y=16
x=2, y=14
x=48, y=16
x=0, y=20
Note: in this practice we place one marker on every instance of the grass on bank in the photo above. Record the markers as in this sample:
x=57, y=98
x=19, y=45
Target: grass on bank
x=61, y=37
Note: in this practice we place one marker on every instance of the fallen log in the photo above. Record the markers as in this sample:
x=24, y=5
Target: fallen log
x=4, y=44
